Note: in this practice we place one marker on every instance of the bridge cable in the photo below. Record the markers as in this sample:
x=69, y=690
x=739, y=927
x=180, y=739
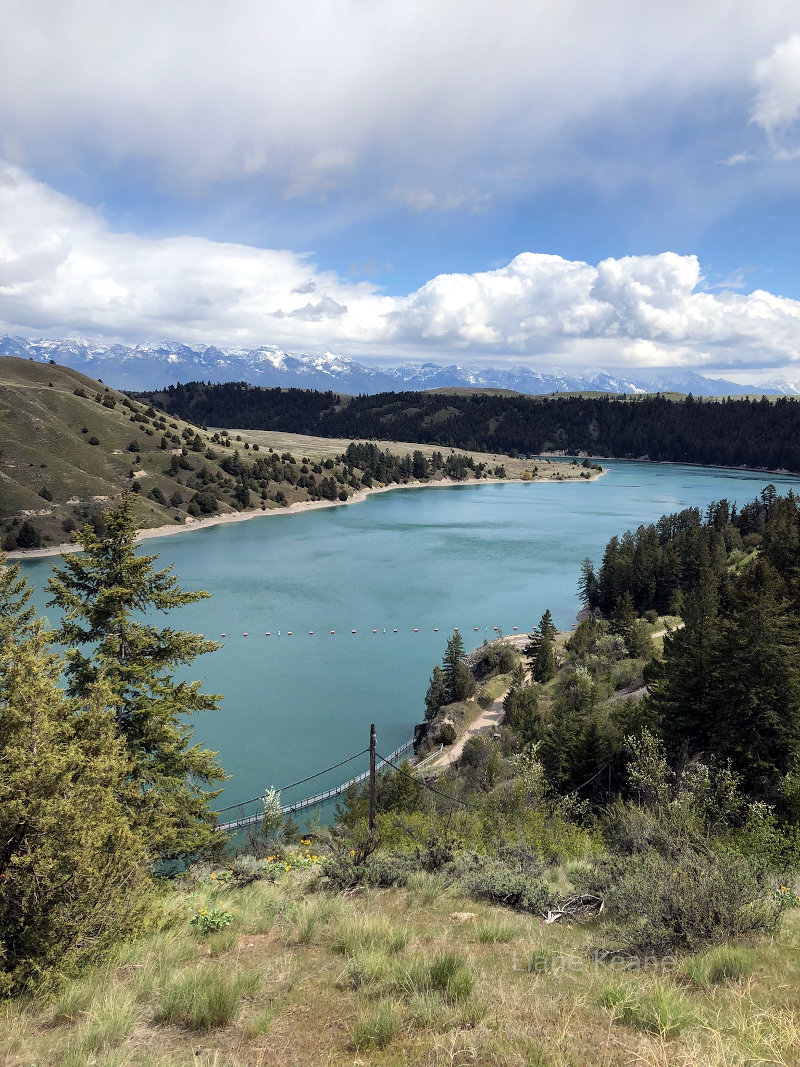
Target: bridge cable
x=291, y=785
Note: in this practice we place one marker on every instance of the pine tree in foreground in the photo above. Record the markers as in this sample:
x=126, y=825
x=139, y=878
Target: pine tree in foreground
x=73, y=872
x=108, y=596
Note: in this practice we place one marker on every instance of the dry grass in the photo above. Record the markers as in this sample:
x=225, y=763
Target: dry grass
x=401, y=976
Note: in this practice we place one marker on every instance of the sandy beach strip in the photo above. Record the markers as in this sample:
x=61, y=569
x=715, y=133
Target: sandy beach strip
x=299, y=507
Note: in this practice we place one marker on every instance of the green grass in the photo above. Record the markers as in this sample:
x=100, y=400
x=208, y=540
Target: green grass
x=203, y=999
x=661, y=1009
x=389, y=980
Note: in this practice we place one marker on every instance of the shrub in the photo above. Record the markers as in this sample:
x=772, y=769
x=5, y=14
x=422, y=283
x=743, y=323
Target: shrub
x=28, y=536
x=446, y=734
x=687, y=900
x=512, y=877
x=94, y=440
x=45, y=493
x=157, y=495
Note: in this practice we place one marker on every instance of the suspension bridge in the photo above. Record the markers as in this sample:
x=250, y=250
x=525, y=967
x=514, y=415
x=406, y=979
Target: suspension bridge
x=249, y=818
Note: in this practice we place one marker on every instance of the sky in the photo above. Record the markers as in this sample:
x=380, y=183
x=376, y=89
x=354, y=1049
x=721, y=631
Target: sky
x=549, y=184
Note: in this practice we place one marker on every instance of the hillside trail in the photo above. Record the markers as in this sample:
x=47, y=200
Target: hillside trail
x=491, y=717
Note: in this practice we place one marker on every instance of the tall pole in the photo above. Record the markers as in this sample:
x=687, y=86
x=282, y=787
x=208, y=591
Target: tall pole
x=372, y=779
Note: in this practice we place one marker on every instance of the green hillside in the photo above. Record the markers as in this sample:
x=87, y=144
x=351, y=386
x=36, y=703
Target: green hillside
x=69, y=445
x=73, y=439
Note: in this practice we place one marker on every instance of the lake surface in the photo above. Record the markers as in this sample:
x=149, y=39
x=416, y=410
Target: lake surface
x=466, y=556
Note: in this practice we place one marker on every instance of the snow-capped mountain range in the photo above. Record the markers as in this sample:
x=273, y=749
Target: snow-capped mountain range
x=152, y=365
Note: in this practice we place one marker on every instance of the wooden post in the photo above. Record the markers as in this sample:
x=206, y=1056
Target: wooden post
x=372, y=780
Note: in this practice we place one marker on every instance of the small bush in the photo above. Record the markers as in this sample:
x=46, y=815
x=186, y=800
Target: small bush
x=45, y=493
x=688, y=900
x=94, y=440
x=446, y=734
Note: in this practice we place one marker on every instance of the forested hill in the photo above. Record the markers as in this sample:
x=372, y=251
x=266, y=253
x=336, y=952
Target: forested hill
x=730, y=432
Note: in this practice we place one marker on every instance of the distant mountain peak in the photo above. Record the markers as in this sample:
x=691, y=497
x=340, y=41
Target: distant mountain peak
x=154, y=364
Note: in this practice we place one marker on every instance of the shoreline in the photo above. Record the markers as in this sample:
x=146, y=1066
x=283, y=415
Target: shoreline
x=297, y=508
x=672, y=462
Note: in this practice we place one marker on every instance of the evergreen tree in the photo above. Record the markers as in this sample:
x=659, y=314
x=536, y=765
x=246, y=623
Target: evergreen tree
x=103, y=594
x=453, y=656
x=436, y=697
x=588, y=588
x=521, y=706
x=681, y=691
x=16, y=611
x=72, y=868
x=541, y=650
x=755, y=678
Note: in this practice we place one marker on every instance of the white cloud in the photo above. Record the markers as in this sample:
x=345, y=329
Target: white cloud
x=62, y=270
x=393, y=94
x=777, y=103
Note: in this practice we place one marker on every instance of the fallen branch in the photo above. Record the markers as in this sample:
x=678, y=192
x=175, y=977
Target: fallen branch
x=583, y=907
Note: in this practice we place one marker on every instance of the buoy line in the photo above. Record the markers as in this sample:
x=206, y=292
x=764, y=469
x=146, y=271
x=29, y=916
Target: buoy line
x=374, y=630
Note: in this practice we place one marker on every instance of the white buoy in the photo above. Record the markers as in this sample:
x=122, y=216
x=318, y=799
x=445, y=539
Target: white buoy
x=310, y=633
x=267, y=634
x=288, y=633
x=333, y=631
x=352, y=631
x=374, y=631
x=416, y=631
x=223, y=635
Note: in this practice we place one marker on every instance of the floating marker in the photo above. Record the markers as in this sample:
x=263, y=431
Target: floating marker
x=496, y=627
x=244, y=634
x=310, y=633
x=374, y=631
x=515, y=627
x=416, y=631
x=352, y=631
x=267, y=634
x=436, y=629
x=288, y=633
x=394, y=631
x=223, y=635
x=333, y=631
x=455, y=628
x=475, y=628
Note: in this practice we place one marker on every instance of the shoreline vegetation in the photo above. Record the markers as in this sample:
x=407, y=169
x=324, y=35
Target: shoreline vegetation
x=299, y=507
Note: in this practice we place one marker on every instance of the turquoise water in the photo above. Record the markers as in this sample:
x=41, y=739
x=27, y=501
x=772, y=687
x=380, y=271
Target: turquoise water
x=465, y=556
